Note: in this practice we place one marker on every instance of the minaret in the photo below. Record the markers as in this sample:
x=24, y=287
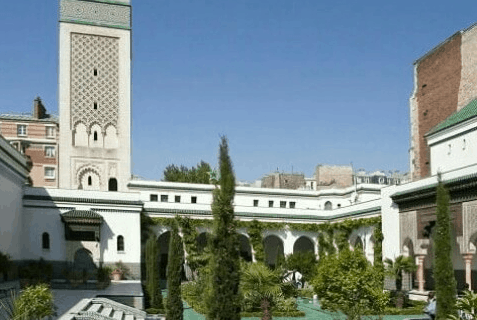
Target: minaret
x=95, y=94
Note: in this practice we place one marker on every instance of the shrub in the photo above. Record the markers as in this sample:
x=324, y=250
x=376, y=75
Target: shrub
x=154, y=311
x=35, y=302
x=347, y=282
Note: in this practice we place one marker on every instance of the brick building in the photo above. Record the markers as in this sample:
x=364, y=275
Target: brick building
x=444, y=83
x=35, y=135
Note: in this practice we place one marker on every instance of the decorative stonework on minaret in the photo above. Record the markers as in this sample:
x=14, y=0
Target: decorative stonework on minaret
x=94, y=94
x=97, y=13
x=94, y=65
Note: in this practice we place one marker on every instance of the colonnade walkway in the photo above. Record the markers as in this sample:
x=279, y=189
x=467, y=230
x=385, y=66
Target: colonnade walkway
x=313, y=312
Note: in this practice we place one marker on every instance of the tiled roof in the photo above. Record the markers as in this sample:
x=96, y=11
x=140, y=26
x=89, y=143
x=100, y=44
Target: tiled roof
x=469, y=111
x=82, y=216
x=102, y=309
x=27, y=117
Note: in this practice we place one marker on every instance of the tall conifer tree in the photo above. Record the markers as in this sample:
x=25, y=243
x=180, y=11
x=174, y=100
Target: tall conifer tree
x=174, y=307
x=224, y=300
x=443, y=268
x=152, y=274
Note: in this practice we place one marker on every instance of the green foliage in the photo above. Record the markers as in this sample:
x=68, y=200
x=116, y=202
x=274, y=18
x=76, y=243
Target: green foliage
x=103, y=273
x=5, y=263
x=174, y=308
x=467, y=304
x=199, y=174
x=225, y=259
x=329, y=234
x=153, y=288
x=35, y=302
x=255, y=230
x=258, y=283
x=305, y=293
x=36, y=272
x=194, y=259
x=378, y=250
x=347, y=282
x=121, y=267
x=303, y=262
x=443, y=269
x=412, y=308
x=398, y=266
x=153, y=311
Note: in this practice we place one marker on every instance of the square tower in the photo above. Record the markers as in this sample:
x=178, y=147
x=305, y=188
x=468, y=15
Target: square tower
x=95, y=94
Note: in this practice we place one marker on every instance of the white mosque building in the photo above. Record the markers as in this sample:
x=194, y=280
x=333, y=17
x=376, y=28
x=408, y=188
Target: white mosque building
x=95, y=214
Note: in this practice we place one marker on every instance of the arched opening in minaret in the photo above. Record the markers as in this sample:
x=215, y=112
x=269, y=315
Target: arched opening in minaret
x=95, y=106
x=95, y=136
x=90, y=181
x=113, y=184
x=95, y=72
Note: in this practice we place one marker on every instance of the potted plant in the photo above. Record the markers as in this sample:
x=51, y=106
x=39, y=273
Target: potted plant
x=120, y=271
x=117, y=274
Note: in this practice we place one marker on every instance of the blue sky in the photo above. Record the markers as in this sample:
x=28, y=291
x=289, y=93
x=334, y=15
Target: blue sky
x=291, y=83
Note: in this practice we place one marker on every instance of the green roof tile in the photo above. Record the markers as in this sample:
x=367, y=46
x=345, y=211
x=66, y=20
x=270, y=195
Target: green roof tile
x=469, y=111
x=82, y=216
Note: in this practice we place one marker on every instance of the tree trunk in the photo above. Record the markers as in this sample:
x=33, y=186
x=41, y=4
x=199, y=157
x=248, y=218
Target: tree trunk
x=265, y=305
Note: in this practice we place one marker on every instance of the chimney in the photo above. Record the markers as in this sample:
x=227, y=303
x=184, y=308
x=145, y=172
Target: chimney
x=39, y=110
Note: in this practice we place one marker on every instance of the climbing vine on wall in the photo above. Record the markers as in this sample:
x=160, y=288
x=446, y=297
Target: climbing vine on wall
x=329, y=234
x=255, y=231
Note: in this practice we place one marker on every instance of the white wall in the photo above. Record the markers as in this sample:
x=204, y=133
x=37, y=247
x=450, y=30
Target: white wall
x=13, y=175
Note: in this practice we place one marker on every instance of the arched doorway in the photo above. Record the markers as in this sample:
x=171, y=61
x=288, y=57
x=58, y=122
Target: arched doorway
x=113, y=184
x=273, y=247
x=245, y=248
x=358, y=243
x=303, y=244
x=83, y=262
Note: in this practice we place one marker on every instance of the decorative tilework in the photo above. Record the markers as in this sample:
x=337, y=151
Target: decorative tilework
x=94, y=98
x=98, y=13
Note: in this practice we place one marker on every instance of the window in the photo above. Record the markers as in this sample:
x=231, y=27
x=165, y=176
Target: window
x=283, y=204
x=21, y=130
x=50, y=132
x=95, y=136
x=193, y=199
x=120, y=243
x=328, y=205
x=49, y=151
x=90, y=181
x=95, y=106
x=153, y=197
x=270, y=203
x=49, y=173
x=95, y=72
x=339, y=205
x=255, y=203
x=113, y=184
x=292, y=205
x=164, y=198
x=177, y=198
x=45, y=241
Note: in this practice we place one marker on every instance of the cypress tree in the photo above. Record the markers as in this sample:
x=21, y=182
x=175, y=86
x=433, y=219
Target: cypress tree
x=152, y=274
x=175, y=309
x=224, y=300
x=443, y=268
